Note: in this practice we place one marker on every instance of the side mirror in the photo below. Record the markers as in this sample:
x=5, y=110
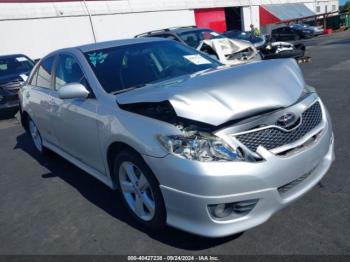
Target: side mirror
x=74, y=90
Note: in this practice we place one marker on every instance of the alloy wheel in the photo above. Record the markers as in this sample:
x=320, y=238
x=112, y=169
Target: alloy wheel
x=136, y=191
x=34, y=132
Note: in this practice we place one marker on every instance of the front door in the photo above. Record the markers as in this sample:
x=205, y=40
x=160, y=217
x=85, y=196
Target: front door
x=75, y=120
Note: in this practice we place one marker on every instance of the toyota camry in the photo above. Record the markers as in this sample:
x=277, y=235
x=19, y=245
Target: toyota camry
x=186, y=142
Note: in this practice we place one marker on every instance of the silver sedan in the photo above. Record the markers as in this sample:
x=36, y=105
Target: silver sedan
x=188, y=142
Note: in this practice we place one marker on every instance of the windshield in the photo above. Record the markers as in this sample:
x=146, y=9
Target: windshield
x=243, y=36
x=195, y=37
x=15, y=65
x=299, y=26
x=122, y=68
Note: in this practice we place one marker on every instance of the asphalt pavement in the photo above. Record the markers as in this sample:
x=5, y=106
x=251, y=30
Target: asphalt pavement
x=49, y=206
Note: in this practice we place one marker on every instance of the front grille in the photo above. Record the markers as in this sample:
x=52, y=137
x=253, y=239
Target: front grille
x=285, y=188
x=273, y=137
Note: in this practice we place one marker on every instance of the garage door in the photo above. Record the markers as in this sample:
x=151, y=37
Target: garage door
x=211, y=18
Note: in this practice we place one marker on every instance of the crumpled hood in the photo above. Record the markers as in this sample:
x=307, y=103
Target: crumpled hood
x=228, y=46
x=217, y=96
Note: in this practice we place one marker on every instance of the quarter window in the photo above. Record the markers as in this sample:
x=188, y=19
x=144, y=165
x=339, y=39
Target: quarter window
x=43, y=78
x=68, y=71
x=34, y=77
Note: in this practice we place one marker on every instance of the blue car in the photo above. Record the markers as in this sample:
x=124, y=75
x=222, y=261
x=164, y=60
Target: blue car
x=14, y=70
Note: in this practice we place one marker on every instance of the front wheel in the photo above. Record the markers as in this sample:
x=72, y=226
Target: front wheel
x=8, y=114
x=139, y=190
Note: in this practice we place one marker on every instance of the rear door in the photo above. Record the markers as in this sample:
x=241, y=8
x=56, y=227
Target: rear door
x=39, y=98
x=75, y=120
x=276, y=34
x=283, y=35
x=289, y=34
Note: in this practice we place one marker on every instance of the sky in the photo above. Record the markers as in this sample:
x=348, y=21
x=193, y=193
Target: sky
x=341, y=2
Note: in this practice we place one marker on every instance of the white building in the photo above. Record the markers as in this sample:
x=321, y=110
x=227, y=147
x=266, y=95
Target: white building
x=36, y=27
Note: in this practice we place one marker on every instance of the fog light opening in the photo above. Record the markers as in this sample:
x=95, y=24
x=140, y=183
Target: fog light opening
x=226, y=211
x=222, y=210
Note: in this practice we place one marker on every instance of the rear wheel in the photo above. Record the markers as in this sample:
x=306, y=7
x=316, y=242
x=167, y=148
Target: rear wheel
x=139, y=190
x=36, y=137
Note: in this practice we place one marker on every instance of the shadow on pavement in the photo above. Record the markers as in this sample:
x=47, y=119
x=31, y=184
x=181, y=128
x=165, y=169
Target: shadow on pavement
x=7, y=113
x=339, y=42
x=107, y=199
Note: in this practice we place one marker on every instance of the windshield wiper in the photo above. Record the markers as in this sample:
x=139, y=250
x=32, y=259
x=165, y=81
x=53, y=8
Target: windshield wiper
x=127, y=89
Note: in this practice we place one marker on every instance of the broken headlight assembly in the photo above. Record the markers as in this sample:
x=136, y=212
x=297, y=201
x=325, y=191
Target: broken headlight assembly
x=200, y=147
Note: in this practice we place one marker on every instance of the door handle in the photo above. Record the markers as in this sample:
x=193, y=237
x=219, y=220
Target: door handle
x=52, y=102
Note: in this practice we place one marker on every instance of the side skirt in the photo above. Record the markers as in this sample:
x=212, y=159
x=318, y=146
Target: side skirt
x=91, y=171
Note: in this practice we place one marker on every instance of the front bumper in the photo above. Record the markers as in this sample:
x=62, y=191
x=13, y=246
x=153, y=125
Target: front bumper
x=188, y=187
x=9, y=102
x=318, y=32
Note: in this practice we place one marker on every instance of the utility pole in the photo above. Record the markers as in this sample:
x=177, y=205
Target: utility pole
x=90, y=19
x=251, y=12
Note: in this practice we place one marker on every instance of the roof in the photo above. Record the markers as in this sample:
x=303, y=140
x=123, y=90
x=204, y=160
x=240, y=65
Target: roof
x=178, y=30
x=287, y=12
x=188, y=29
x=115, y=43
x=12, y=55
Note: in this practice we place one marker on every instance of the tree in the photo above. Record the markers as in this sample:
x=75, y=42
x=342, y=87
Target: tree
x=345, y=8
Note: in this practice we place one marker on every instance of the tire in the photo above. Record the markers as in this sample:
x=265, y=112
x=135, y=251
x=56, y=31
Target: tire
x=139, y=190
x=8, y=113
x=36, y=137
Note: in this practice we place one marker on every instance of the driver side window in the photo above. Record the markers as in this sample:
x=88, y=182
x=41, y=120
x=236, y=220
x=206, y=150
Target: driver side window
x=68, y=71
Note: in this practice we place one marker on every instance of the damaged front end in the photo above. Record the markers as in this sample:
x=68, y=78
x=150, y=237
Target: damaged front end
x=200, y=106
x=283, y=50
x=228, y=51
x=195, y=140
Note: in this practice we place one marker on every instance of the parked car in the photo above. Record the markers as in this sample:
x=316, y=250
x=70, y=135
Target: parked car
x=286, y=33
x=209, y=149
x=257, y=41
x=316, y=30
x=276, y=50
x=227, y=51
x=14, y=70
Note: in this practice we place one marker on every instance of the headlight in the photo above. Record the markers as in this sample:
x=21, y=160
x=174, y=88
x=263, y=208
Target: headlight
x=309, y=89
x=201, y=148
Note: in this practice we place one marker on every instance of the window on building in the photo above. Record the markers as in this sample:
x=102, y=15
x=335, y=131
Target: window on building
x=334, y=7
x=318, y=9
